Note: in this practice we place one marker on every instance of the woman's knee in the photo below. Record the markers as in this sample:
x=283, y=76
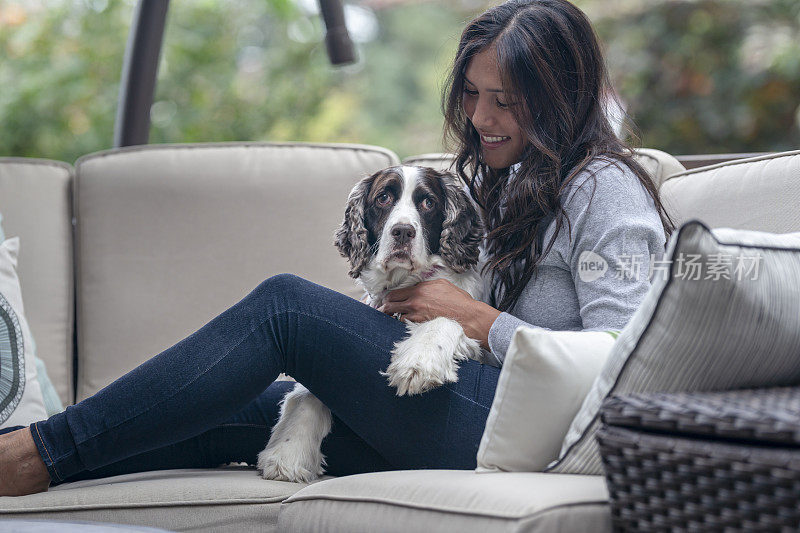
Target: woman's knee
x=281, y=282
x=283, y=288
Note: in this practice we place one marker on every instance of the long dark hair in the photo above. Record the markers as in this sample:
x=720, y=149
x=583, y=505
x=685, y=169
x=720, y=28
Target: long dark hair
x=551, y=64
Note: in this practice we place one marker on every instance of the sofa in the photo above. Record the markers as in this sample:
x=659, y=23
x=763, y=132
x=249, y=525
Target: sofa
x=130, y=250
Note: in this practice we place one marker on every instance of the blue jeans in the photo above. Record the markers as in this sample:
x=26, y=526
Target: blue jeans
x=211, y=398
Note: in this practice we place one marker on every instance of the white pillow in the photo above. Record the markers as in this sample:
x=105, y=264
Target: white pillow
x=21, y=400
x=544, y=379
x=704, y=334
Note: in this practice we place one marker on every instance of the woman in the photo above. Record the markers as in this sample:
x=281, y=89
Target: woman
x=524, y=106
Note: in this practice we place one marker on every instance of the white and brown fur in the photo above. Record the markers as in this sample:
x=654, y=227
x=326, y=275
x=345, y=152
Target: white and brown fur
x=402, y=225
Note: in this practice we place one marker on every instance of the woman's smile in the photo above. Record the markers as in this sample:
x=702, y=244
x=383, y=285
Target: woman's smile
x=493, y=141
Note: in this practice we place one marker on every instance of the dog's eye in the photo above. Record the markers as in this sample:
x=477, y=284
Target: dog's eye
x=384, y=199
x=426, y=204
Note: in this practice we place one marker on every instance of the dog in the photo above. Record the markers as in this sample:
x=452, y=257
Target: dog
x=402, y=225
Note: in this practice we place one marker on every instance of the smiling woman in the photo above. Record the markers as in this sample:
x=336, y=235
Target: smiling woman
x=524, y=109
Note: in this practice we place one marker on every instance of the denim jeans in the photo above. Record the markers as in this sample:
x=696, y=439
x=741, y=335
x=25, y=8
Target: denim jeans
x=210, y=398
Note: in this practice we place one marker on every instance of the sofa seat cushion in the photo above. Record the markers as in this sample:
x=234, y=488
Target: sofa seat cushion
x=450, y=500
x=219, y=499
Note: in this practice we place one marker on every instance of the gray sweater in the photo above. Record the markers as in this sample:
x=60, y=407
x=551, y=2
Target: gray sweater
x=619, y=230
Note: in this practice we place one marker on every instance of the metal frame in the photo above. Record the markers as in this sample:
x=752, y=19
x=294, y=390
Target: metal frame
x=139, y=72
x=143, y=51
x=337, y=39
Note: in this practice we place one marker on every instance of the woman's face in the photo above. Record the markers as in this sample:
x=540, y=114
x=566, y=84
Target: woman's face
x=486, y=105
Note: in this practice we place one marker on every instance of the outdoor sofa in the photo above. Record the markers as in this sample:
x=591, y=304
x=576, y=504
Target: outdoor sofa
x=133, y=249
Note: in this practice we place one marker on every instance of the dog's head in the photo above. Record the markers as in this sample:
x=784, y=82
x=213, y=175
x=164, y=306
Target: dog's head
x=401, y=217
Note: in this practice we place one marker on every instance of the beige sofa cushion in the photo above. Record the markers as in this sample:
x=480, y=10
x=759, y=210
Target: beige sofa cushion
x=544, y=379
x=35, y=200
x=456, y=501
x=169, y=236
x=723, y=314
x=760, y=193
x=220, y=499
x=439, y=161
x=659, y=164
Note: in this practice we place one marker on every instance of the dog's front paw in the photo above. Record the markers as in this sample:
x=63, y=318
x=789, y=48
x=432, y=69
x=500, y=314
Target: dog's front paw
x=469, y=349
x=422, y=362
x=285, y=461
x=415, y=378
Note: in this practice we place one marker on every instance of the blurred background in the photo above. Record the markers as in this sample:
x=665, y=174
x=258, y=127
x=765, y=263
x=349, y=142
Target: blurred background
x=705, y=76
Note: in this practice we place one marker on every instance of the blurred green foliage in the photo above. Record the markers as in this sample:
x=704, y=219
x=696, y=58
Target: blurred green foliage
x=709, y=76
x=700, y=76
x=59, y=77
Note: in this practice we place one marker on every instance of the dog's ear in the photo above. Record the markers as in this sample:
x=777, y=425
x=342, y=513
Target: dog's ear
x=351, y=237
x=462, y=229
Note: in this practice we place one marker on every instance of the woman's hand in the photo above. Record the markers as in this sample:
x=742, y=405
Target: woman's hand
x=431, y=299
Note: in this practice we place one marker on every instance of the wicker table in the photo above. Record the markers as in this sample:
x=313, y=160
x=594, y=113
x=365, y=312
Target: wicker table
x=722, y=461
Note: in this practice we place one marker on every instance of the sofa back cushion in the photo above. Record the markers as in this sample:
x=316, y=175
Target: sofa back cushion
x=35, y=200
x=760, y=193
x=439, y=161
x=659, y=164
x=169, y=236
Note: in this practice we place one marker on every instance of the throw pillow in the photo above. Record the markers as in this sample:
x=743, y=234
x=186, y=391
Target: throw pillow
x=52, y=402
x=21, y=400
x=544, y=380
x=725, y=315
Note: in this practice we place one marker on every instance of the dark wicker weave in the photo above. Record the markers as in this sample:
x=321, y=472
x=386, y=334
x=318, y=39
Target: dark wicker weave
x=726, y=461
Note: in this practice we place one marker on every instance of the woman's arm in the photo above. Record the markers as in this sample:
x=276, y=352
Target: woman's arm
x=613, y=224
x=617, y=225
x=431, y=299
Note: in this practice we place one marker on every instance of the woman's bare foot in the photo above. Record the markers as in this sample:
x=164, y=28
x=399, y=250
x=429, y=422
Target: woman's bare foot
x=22, y=470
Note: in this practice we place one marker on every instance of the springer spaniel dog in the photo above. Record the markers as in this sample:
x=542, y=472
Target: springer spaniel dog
x=402, y=225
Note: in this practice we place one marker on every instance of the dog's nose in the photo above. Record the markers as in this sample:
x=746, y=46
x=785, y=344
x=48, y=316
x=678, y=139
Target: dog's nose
x=403, y=233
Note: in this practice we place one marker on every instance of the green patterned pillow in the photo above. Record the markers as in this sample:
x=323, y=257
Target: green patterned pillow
x=21, y=401
x=52, y=402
